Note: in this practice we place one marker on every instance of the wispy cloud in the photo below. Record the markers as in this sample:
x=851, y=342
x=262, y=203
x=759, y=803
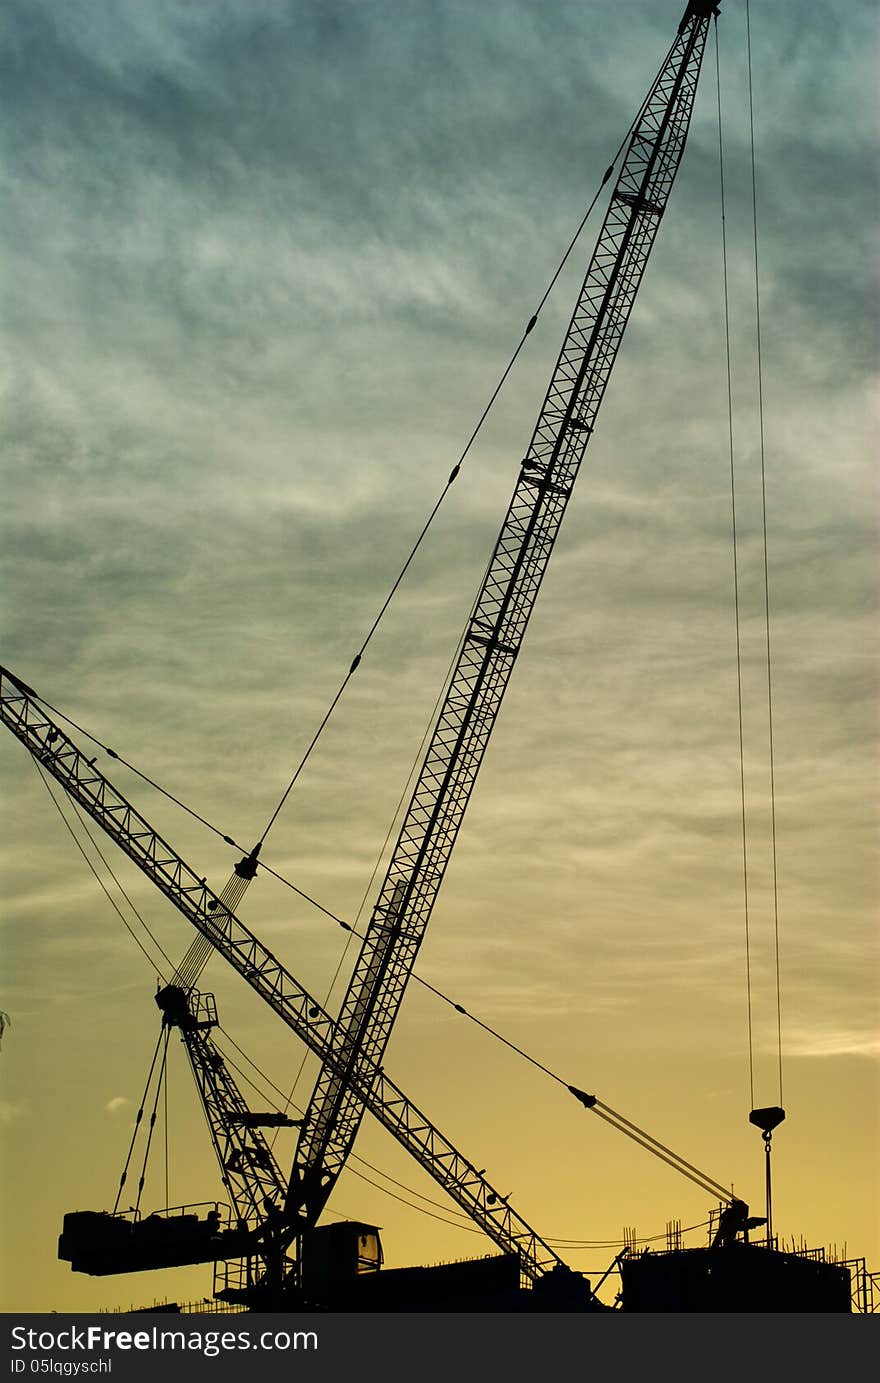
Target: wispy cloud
x=11, y=1111
x=117, y=1104
x=265, y=263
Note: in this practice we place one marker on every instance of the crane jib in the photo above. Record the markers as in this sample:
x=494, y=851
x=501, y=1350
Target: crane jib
x=53, y=749
x=501, y=613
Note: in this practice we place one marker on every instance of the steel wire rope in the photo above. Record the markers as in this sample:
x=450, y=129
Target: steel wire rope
x=739, y=693
x=125, y=923
x=166, y=1033
x=287, y=1104
x=353, y=932
x=228, y=839
x=165, y=1122
x=605, y=1112
x=557, y=1242
x=137, y=1123
x=453, y=475
x=166, y=792
x=760, y=375
x=287, y=1099
x=632, y=1131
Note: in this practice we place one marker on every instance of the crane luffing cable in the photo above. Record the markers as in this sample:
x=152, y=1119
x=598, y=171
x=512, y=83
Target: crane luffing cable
x=460, y=1215
x=152, y=1124
x=391, y=827
x=553, y=1240
x=591, y=1102
x=603, y=1111
x=280, y=989
x=231, y=895
x=100, y=881
x=184, y=806
x=454, y=473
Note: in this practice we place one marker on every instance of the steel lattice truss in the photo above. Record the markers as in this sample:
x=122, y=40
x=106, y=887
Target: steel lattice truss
x=351, y=1049
x=249, y=1170
x=52, y=748
x=499, y=619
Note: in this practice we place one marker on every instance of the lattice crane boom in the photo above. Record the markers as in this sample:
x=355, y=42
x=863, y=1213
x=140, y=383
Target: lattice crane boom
x=53, y=749
x=247, y=1164
x=499, y=619
x=351, y=1049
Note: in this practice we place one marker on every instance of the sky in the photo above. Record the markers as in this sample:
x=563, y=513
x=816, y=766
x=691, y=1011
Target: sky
x=265, y=264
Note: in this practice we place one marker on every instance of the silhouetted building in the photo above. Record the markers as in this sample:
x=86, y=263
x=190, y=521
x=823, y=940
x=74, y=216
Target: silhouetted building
x=736, y=1277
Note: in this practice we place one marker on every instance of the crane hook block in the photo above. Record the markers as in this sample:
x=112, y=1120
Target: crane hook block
x=767, y=1119
x=247, y=868
x=586, y=1100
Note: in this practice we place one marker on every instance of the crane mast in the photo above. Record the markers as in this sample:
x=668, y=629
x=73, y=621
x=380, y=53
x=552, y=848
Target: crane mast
x=500, y=615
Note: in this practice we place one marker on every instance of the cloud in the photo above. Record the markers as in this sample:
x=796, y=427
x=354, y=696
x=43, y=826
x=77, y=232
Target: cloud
x=265, y=263
x=117, y=1104
x=13, y=1110
x=832, y=1042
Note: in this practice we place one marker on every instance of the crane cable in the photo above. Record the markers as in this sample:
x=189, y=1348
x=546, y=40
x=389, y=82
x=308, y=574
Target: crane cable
x=598, y=1107
x=603, y=1111
x=766, y=576
x=453, y=475
x=166, y=1034
x=165, y=1125
x=165, y=792
x=200, y=950
x=100, y=881
x=739, y=690
x=760, y=379
x=137, y=1123
x=553, y=1241
x=405, y=790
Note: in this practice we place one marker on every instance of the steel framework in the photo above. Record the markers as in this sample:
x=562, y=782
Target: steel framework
x=51, y=747
x=499, y=619
x=351, y=1048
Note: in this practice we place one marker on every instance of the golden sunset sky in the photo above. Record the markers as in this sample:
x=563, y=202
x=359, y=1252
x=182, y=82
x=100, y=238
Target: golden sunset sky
x=265, y=263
